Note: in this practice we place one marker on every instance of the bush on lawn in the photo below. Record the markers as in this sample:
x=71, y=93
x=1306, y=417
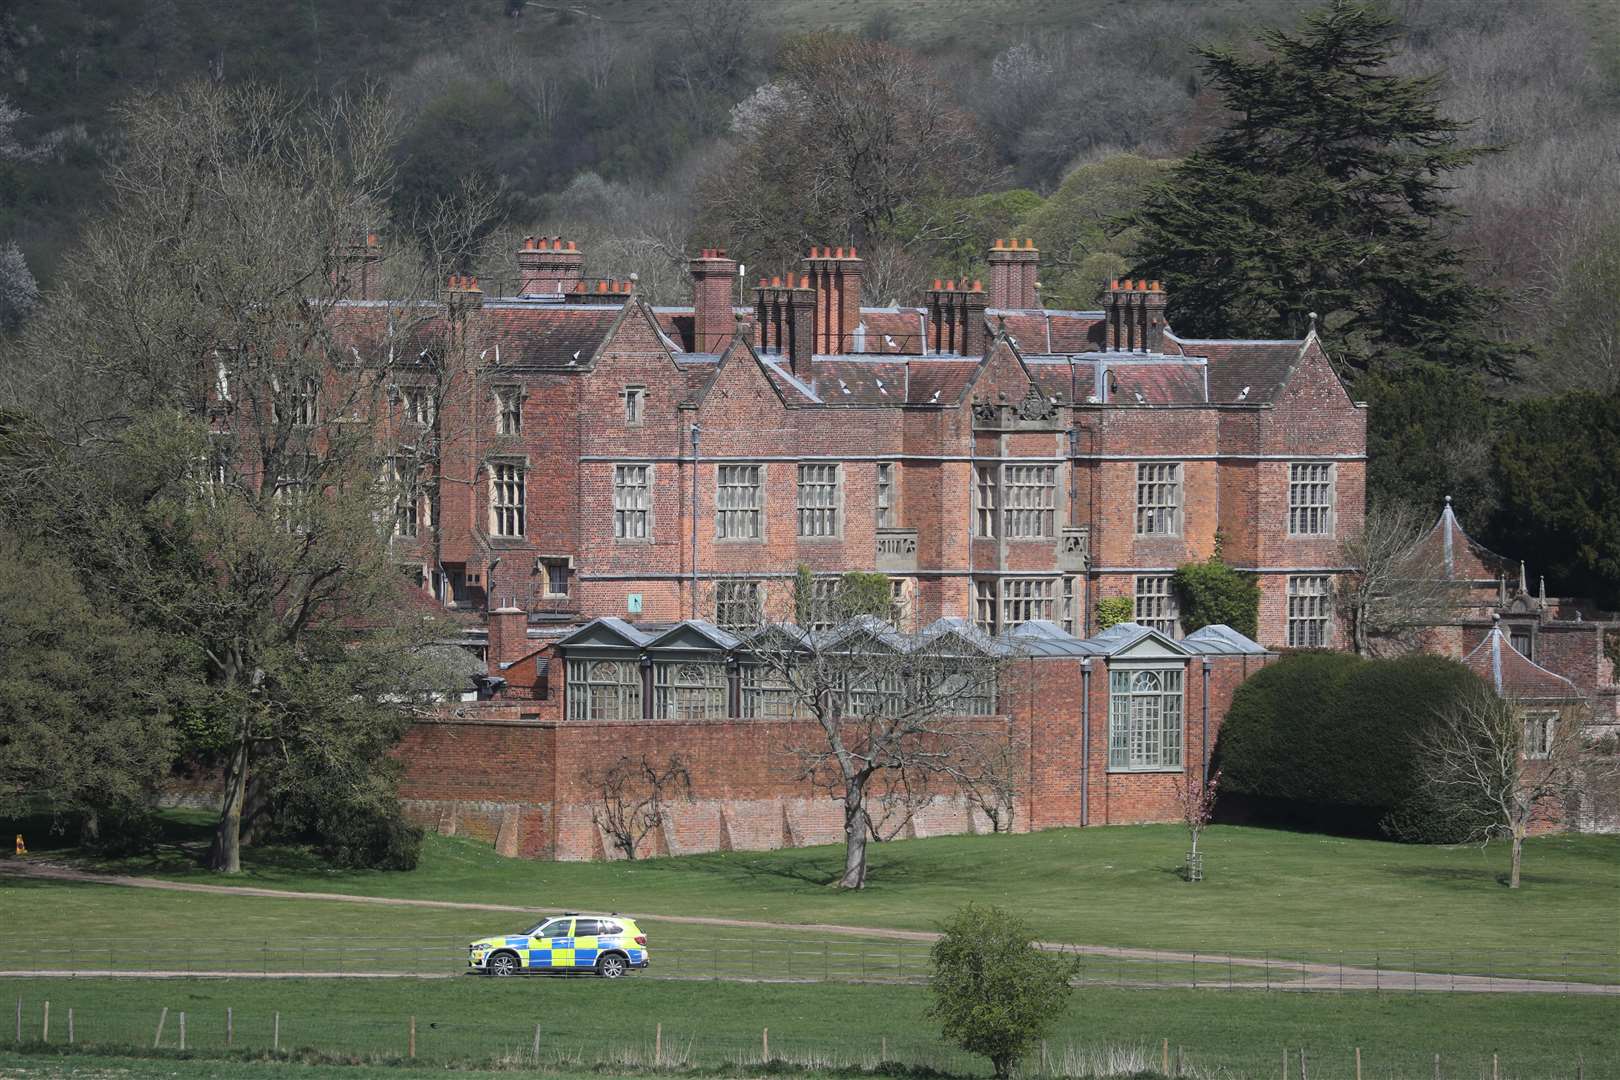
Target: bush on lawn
x=994, y=993
x=1328, y=740
x=351, y=835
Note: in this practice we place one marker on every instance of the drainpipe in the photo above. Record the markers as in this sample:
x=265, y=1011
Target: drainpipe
x=1203, y=741
x=1085, y=742
x=695, y=431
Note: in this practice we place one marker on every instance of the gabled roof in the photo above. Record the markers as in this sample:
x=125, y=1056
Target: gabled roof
x=1514, y=675
x=608, y=631
x=1133, y=637
x=698, y=633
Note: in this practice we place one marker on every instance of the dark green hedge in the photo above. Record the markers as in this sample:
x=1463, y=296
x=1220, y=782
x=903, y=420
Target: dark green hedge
x=1212, y=592
x=1331, y=737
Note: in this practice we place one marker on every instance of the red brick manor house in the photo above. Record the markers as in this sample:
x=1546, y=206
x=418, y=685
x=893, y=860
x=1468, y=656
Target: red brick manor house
x=616, y=482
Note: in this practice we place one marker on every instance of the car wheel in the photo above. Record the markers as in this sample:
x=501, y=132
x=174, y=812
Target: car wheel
x=611, y=966
x=503, y=964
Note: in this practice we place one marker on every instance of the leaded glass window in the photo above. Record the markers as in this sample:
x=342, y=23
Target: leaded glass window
x=1145, y=719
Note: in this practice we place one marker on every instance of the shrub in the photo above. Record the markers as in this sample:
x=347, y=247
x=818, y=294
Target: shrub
x=1114, y=609
x=994, y=993
x=1330, y=739
x=1212, y=592
x=370, y=834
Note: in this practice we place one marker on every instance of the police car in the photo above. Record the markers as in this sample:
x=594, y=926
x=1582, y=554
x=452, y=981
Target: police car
x=608, y=945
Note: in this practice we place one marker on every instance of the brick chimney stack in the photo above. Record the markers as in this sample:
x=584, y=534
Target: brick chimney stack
x=1135, y=316
x=547, y=266
x=956, y=318
x=508, y=636
x=714, y=281
x=358, y=275
x=1013, y=271
x=835, y=275
x=785, y=310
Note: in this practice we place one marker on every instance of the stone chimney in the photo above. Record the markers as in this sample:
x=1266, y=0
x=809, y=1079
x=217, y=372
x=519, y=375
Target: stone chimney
x=1135, y=316
x=358, y=275
x=956, y=318
x=714, y=281
x=547, y=266
x=785, y=311
x=835, y=275
x=508, y=636
x=1013, y=271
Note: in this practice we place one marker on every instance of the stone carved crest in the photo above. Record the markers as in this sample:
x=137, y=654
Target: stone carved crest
x=1035, y=406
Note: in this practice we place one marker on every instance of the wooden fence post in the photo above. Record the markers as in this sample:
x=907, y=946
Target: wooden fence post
x=45, y=1024
x=765, y=1044
x=19, y=1020
x=157, y=1039
x=1164, y=1058
x=1358, y=1063
x=883, y=1048
x=412, y=1050
x=275, y=1036
x=1304, y=1070
x=537, y=1042
x=658, y=1045
x=1495, y=1074
x=230, y=1027
x=182, y=1029
x=70, y=1025
x=1437, y=1067
x=1285, y=1063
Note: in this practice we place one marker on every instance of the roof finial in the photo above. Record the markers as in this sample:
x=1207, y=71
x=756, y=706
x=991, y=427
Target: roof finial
x=1524, y=586
x=1448, y=501
x=1313, y=322
x=1543, y=590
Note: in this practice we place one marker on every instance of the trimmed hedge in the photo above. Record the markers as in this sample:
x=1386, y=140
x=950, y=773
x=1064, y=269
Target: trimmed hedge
x=1331, y=739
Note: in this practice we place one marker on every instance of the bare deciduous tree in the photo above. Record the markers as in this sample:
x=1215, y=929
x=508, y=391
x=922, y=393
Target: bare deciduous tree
x=1496, y=766
x=1398, y=587
x=196, y=384
x=895, y=713
x=633, y=797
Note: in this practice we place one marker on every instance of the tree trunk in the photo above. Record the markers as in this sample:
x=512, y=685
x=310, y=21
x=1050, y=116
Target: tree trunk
x=856, y=829
x=1518, y=847
x=225, y=852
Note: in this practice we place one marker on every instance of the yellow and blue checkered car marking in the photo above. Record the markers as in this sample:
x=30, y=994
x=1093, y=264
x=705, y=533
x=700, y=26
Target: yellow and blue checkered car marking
x=567, y=952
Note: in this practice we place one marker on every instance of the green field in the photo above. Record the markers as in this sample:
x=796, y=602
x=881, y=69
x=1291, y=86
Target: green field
x=585, y=1023
x=1266, y=891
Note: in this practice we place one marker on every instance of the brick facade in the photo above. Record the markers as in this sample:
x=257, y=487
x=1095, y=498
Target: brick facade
x=519, y=774
x=1003, y=462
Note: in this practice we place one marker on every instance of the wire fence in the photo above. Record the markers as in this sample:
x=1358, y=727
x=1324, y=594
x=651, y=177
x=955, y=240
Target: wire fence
x=833, y=960
x=152, y=1027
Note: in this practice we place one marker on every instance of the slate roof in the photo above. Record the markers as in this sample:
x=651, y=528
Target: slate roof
x=548, y=336
x=1259, y=365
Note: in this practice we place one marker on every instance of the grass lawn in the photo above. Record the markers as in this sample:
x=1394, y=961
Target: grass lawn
x=1288, y=893
x=587, y=1022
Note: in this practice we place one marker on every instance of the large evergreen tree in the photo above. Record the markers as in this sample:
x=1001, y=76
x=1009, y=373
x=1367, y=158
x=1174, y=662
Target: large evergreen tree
x=1325, y=192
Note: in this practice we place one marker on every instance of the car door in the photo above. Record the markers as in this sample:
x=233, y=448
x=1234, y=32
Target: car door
x=586, y=935
x=549, y=941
